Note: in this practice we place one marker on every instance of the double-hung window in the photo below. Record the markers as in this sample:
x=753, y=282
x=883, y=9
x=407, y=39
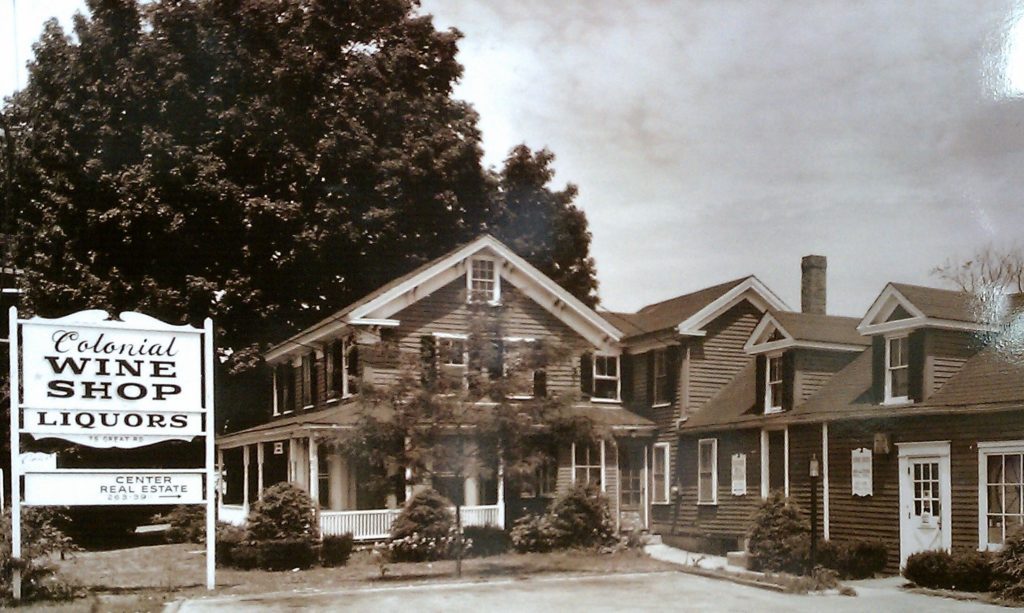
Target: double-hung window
x=518, y=365
x=284, y=389
x=707, y=471
x=586, y=463
x=659, y=474
x=773, y=384
x=483, y=283
x=662, y=393
x=606, y=377
x=896, y=368
x=453, y=360
x=309, y=392
x=1001, y=495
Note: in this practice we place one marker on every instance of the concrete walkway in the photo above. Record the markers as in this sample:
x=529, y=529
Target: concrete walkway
x=705, y=561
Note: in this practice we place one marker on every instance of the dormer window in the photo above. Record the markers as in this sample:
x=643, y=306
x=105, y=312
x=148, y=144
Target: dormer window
x=482, y=282
x=897, y=367
x=773, y=384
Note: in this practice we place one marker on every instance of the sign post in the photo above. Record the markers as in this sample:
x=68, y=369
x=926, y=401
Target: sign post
x=92, y=380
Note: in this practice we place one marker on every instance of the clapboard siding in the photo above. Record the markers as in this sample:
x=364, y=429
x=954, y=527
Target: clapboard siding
x=945, y=352
x=718, y=356
x=805, y=441
x=814, y=367
x=730, y=518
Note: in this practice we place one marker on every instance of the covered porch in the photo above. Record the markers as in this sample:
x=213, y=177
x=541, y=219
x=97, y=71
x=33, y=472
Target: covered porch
x=350, y=497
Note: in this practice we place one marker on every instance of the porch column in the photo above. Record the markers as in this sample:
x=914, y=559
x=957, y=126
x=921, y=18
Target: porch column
x=471, y=491
x=314, y=471
x=245, y=476
x=220, y=477
x=501, y=494
x=292, y=466
x=259, y=471
x=824, y=481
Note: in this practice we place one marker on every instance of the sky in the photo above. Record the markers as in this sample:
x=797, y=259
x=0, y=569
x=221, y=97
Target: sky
x=719, y=138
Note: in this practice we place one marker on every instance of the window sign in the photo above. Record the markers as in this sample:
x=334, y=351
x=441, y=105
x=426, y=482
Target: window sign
x=739, y=474
x=862, y=476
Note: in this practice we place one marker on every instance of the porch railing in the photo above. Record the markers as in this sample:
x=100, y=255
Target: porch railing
x=234, y=514
x=375, y=524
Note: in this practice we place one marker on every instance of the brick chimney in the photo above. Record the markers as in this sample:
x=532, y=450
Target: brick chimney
x=812, y=284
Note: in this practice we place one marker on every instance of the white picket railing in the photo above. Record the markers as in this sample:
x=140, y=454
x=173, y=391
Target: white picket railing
x=376, y=523
x=234, y=514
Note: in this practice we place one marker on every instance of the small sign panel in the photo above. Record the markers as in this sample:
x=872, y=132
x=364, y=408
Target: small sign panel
x=113, y=488
x=739, y=474
x=42, y=423
x=863, y=484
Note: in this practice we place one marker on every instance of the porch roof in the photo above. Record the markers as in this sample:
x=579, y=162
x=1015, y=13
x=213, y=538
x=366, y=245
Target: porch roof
x=614, y=418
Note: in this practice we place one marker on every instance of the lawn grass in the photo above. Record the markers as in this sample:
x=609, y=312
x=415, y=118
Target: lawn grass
x=142, y=578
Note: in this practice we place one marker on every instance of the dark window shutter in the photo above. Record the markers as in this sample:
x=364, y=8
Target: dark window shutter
x=878, y=368
x=915, y=366
x=296, y=386
x=788, y=380
x=760, y=363
x=587, y=374
x=650, y=377
x=540, y=384
x=626, y=365
x=428, y=359
x=314, y=378
x=496, y=368
x=353, y=365
x=673, y=362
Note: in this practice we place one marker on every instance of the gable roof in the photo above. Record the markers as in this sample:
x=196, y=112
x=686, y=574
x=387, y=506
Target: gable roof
x=924, y=306
x=810, y=330
x=690, y=313
x=378, y=306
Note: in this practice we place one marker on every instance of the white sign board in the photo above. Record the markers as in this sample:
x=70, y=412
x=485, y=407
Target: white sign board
x=38, y=461
x=739, y=474
x=861, y=471
x=92, y=428
x=113, y=487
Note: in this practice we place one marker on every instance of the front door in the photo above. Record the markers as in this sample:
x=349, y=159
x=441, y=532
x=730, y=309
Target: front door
x=631, y=473
x=924, y=498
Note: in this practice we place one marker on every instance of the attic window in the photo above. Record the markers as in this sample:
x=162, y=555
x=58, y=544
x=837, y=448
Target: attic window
x=773, y=384
x=896, y=368
x=482, y=282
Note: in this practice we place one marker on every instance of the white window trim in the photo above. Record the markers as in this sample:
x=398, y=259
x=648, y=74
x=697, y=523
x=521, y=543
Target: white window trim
x=465, y=357
x=663, y=449
x=274, y=384
x=769, y=408
x=496, y=296
x=714, y=471
x=986, y=449
x=764, y=461
x=655, y=401
x=617, y=378
x=572, y=463
x=889, y=398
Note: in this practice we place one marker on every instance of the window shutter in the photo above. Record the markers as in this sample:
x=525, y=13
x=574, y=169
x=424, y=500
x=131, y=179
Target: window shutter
x=587, y=374
x=915, y=366
x=626, y=365
x=788, y=380
x=296, y=383
x=650, y=377
x=674, y=363
x=760, y=365
x=314, y=378
x=353, y=365
x=540, y=384
x=428, y=359
x=878, y=368
x=496, y=368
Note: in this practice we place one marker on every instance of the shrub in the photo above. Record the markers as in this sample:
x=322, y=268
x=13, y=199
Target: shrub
x=929, y=569
x=778, y=539
x=580, y=518
x=533, y=534
x=336, y=549
x=1008, y=566
x=971, y=571
x=285, y=512
x=187, y=524
x=245, y=555
x=229, y=538
x=286, y=554
x=484, y=541
x=41, y=536
x=423, y=530
x=858, y=560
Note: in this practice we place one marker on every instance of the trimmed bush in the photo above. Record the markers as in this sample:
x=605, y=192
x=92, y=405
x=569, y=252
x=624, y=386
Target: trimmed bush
x=778, y=539
x=286, y=554
x=187, y=524
x=486, y=541
x=336, y=549
x=580, y=518
x=245, y=555
x=1008, y=567
x=285, y=512
x=858, y=560
x=929, y=569
x=533, y=534
x=972, y=571
x=229, y=537
x=423, y=530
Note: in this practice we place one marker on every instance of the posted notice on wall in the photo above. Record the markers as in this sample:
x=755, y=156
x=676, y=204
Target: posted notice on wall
x=739, y=474
x=862, y=476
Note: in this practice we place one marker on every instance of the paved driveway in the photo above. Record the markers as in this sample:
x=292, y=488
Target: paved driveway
x=646, y=592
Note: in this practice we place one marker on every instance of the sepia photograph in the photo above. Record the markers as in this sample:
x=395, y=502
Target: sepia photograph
x=350, y=305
